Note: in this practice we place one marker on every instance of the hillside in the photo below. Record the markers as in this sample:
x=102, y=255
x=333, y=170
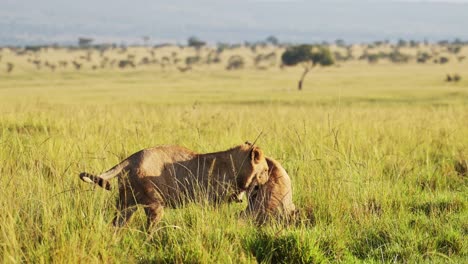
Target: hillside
x=237, y=21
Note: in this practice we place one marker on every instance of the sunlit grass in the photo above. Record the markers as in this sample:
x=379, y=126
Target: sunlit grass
x=370, y=150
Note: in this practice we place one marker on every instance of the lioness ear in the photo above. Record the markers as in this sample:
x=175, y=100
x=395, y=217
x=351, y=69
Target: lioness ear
x=257, y=155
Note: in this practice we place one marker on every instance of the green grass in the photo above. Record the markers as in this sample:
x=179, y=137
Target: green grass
x=370, y=150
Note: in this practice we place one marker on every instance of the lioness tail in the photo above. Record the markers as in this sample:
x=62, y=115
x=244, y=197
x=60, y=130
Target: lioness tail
x=102, y=180
x=89, y=178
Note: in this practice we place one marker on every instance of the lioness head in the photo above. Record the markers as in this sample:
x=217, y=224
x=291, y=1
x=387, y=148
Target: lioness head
x=274, y=198
x=252, y=170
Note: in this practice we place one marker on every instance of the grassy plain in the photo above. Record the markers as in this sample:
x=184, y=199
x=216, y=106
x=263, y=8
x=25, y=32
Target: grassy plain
x=371, y=150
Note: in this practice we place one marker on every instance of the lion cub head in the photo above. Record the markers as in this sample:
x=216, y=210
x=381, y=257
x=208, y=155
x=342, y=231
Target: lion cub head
x=274, y=198
x=252, y=170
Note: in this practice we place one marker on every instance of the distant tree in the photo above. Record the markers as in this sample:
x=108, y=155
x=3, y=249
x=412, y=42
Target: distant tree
x=144, y=61
x=397, y=57
x=33, y=48
x=413, y=43
x=195, y=42
x=448, y=78
x=378, y=43
x=76, y=65
x=455, y=49
x=235, y=46
x=220, y=47
x=269, y=59
x=307, y=56
x=272, y=40
x=235, y=62
x=37, y=63
x=402, y=43
x=213, y=57
x=443, y=42
x=84, y=42
x=10, y=67
x=443, y=60
x=165, y=61
x=126, y=63
x=340, y=43
x=454, y=78
x=192, y=60
x=253, y=47
x=349, y=53
x=423, y=57
x=373, y=58
x=258, y=59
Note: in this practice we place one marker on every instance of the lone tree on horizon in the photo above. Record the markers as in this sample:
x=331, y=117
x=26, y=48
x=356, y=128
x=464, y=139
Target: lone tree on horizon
x=84, y=42
x=272, y=40
x=195, y=42
x=308, y=56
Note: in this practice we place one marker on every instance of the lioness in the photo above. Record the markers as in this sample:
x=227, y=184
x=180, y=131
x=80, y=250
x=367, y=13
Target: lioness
x=274, y=198
x=172, y=175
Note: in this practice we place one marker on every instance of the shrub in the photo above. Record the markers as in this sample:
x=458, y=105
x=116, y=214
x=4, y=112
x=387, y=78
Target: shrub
x=235, y=62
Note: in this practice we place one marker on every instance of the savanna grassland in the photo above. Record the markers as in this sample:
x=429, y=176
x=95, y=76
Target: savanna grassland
x=376, y=152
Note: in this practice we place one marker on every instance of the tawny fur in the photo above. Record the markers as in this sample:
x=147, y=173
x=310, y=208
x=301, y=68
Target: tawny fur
x=171, y=176
x=273, y=200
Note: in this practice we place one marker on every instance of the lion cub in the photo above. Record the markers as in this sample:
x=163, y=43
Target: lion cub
x=169, y=176
x=272, y=200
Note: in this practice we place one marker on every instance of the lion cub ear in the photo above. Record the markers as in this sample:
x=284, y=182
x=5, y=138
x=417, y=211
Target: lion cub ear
x=257, y=155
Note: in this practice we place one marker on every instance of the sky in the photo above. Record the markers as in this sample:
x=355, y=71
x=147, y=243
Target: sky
x=25, y=22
